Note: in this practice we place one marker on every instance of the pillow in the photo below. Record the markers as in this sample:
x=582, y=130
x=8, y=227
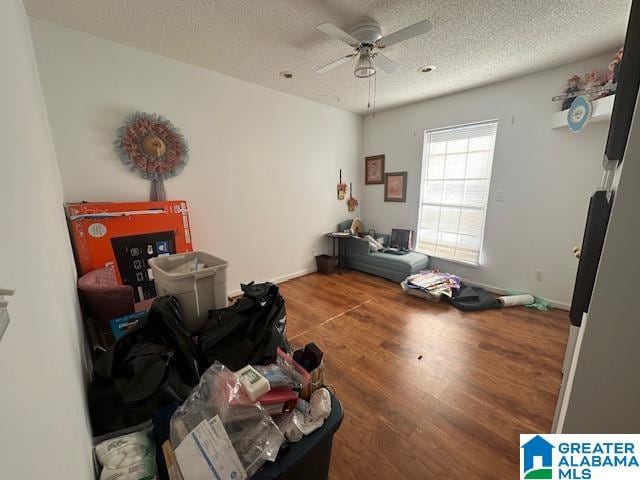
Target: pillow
x=374, y=245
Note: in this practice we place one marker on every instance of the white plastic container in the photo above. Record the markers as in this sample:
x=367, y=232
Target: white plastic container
x=198, y=289
x=253, y=383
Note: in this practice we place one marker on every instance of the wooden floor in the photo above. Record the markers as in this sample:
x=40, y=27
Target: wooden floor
x=428, y=391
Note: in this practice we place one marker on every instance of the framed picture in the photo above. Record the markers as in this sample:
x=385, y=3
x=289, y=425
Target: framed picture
x=374, y=170
x=395, y=187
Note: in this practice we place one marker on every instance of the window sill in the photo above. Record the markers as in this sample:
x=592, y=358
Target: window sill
x=451, y=260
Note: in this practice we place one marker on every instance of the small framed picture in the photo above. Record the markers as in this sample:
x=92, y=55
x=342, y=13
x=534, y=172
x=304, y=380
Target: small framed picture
x=372, y=233
x=395, y=187
x=374, y=170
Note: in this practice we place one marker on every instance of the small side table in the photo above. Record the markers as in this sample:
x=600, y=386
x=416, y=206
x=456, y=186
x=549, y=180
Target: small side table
x=339, y=237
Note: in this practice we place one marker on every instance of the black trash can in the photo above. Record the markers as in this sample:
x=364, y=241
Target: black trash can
x=326, y=264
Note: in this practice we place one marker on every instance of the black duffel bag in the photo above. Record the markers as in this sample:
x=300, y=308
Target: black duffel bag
x=249, y=331
x=147, y=369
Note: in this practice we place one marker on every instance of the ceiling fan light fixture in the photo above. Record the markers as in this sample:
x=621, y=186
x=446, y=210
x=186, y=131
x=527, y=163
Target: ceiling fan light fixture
x=364, y=67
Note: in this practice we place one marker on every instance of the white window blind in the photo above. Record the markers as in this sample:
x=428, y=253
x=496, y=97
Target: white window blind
x=456, y=171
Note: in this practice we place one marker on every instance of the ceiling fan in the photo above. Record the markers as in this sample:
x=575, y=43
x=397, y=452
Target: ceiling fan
x=366, y=39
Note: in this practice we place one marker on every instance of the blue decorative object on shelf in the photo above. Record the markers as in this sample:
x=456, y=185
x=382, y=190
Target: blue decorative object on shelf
x=579, y=114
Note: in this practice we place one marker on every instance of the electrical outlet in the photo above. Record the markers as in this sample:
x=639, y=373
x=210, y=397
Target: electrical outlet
x=540, y=275
x=499, y=196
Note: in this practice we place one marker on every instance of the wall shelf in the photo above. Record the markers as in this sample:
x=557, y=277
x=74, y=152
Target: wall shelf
x=602, y=109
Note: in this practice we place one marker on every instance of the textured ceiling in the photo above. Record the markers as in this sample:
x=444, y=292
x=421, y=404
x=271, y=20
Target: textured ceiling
x=473, y=42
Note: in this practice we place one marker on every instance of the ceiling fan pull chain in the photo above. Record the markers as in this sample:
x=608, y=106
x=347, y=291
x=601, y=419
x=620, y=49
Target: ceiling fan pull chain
x=374, y=95
x=369, y=92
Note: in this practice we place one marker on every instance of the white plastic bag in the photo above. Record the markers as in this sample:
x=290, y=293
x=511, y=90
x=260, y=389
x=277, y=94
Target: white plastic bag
x=289, y=425
x=128, y=457
x=320, y=404
x=253, y=434
x=294, y=425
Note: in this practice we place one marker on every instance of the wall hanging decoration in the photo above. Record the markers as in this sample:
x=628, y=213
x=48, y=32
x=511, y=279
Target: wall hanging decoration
x=153, y=147
x=579, y=114
x=395, y=187
x=352, y=203
x=342, y=188
x=374, y=170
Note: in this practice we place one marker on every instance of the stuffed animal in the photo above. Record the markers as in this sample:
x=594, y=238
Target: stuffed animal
x=617, y=60
x=611, y=74
x=573, y=85
x=614, y=70
x=593, y=79
x=610, y=78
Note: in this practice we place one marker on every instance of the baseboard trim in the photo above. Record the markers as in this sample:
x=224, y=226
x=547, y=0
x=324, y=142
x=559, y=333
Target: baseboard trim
x=490, y=288
x=502, y=291
x=280, y=279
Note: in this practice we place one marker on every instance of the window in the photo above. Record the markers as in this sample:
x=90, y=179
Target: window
x=456, y=171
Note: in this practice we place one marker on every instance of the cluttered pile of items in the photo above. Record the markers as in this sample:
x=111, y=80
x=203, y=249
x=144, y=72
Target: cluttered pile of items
x=186, y=387
x=434, y=286
x=594, y=84
x=217, y=403
x=431, y=284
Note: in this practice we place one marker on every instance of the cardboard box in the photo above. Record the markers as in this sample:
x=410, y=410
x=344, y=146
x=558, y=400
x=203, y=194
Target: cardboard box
x=127, y=235
x=170, y=461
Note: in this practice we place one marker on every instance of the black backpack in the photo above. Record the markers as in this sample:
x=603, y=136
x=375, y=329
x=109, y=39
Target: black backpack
x=247, y=332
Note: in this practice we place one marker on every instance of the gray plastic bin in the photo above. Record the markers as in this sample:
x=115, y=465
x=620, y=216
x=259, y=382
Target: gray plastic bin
x=196, y=291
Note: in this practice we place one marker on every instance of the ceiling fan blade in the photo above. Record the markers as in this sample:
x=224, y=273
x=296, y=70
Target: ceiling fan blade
x=335, y=63
x=385, y=63
x=335, y=32
x=405, y=34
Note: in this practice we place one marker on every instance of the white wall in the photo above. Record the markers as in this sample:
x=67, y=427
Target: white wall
x=43, y=424
x=546, y=175
x=261, y=180
x=604, y=385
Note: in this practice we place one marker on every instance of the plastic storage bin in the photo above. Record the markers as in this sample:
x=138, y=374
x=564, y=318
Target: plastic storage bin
x=309, y=458
x=197, y=291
